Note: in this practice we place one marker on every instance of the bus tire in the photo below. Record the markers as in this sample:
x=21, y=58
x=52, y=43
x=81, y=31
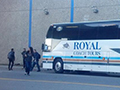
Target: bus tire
x=58, y=66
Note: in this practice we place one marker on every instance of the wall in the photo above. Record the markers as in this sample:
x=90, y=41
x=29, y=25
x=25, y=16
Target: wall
x=14, y=20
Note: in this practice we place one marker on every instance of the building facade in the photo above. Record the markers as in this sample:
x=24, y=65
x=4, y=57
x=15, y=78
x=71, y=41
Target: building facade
x=14, y=20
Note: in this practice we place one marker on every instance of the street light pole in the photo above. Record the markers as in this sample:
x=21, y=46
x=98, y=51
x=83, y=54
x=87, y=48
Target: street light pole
x=30, y=22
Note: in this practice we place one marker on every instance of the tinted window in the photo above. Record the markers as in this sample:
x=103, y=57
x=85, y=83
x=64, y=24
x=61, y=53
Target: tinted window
x=85, y=31
x=70, y=32
x=118, y=34
x=88, y=31
x=99, y=31
x=50, y=32
x=107, y=32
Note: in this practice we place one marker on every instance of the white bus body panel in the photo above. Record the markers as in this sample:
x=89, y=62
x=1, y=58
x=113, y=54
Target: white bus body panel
x=47, y=65
x=85, y=55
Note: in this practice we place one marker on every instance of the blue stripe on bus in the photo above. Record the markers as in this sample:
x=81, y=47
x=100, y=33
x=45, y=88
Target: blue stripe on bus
x=80, y=63
x=91, y=63
x=81, y=57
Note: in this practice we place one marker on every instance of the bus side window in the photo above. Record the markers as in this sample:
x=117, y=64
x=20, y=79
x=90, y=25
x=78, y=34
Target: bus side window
x=107, y=32
x=88, y=32
x=72, y=32
x=118, y=32
x=68, y=32
x=57, y=34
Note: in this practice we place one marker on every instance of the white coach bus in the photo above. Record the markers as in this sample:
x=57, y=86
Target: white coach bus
x=87, y=46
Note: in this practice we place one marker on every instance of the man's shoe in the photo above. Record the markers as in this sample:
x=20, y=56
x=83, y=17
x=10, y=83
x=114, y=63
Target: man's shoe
x=38, y=70
x=25, y=73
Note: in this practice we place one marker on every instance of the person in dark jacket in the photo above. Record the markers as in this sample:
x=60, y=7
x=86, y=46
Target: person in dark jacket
x=36, y=60
x=23, y=55
x=28, y=60
x=11, y=57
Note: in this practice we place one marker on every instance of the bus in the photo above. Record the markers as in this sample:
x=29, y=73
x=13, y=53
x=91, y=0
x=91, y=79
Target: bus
x=84, y=46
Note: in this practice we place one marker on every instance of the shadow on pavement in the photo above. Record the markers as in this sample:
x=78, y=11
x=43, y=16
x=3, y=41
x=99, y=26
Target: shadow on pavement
x=93, y=73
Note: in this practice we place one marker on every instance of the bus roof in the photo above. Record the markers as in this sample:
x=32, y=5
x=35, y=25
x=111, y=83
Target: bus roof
x=87, y=22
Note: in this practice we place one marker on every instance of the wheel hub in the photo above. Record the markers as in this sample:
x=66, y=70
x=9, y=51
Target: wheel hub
x=58, y=66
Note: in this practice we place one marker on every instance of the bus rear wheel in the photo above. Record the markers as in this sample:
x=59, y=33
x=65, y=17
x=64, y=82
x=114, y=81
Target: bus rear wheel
x=58, y=66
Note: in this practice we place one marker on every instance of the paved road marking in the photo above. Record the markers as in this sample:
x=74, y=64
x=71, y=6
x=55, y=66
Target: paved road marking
x=60, y=82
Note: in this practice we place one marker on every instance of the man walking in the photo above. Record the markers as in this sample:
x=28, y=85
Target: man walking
x=28, y=60
x=11, y=57
x=36, y=60
x=24, y=57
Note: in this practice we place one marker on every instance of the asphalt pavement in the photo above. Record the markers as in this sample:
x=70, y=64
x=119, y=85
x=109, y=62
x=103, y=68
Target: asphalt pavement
x=48, y=80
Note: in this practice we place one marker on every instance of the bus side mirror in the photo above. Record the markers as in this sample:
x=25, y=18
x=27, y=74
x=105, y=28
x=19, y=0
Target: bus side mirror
x=43, y=45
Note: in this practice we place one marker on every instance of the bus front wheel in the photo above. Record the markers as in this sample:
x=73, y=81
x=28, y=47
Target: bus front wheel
x=58, y=66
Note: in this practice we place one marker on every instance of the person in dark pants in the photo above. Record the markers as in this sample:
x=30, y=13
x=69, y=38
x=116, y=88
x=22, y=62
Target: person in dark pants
x=11, y=57
x=36, y=60
x=28, y=60
x=23, y=54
